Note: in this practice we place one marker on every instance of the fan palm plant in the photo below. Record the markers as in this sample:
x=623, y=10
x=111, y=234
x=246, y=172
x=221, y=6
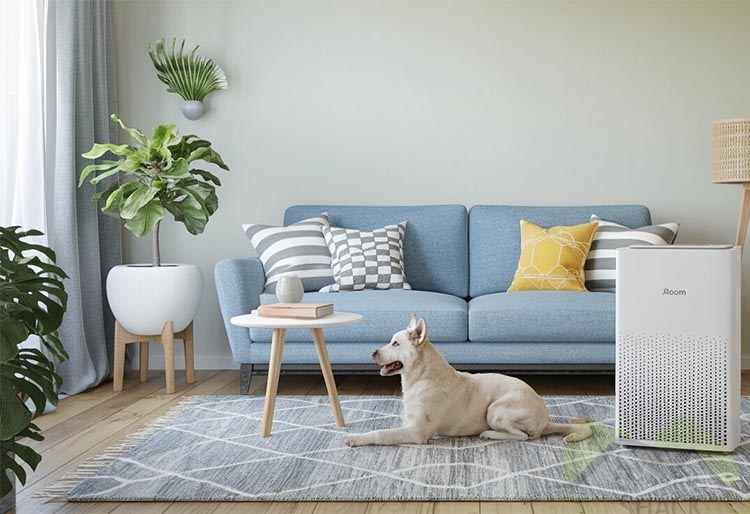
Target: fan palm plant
x=189, y=75
x=32, y=302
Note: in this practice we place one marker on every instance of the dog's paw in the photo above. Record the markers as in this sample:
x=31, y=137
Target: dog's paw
x=351, y=442
x=487, y=435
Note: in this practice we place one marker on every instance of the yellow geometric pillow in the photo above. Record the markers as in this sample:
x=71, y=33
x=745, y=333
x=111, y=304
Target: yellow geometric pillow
x=553, y=258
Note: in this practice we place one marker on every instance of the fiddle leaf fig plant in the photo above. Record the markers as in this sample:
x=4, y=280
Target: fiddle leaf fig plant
x=162, y=177
x=32, y=303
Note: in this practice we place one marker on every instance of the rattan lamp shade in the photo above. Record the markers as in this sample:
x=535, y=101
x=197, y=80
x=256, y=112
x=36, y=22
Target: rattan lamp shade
x=730, y=155
x=731, y=151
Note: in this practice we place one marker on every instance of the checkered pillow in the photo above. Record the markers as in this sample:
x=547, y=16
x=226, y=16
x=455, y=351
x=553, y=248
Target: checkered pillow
x=367, y=260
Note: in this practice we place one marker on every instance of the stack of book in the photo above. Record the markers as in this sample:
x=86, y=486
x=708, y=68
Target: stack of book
x=296, y=310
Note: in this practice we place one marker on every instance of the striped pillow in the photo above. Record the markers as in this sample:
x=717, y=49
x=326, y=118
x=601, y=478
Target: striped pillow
x=298, y=249
x=600, y=268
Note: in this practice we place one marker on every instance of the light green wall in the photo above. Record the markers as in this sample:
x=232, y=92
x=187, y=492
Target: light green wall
x=419, y=102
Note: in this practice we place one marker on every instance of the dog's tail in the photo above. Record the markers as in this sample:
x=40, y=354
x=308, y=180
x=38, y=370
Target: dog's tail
x=576, y=429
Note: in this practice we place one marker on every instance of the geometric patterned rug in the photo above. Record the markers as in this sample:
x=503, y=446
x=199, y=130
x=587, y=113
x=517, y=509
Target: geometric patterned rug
x=209, y=449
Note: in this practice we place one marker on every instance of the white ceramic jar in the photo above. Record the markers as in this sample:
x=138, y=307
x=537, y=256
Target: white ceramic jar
x=289, y=289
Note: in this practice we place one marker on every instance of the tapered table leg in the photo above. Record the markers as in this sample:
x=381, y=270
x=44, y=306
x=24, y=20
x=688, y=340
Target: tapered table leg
x=167, y=339
x=325, y=366
x=274, y=368
x=143, y=369
x=189, y=354
x=120, y=342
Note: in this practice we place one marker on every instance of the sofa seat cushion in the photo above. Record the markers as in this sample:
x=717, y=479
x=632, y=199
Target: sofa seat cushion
x=542, y=316
x=384, y=313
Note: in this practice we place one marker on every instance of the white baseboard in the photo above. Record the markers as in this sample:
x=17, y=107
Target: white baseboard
x=201, y=361
x=156, y=361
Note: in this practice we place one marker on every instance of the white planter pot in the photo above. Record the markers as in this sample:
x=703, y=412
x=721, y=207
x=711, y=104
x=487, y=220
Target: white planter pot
x=143, y=297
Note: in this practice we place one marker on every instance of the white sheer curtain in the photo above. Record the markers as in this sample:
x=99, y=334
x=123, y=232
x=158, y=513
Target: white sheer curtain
x=24, y=112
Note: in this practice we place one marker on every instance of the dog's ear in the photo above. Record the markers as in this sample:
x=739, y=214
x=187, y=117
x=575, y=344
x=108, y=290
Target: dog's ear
x=418, y=334
x=412, y=324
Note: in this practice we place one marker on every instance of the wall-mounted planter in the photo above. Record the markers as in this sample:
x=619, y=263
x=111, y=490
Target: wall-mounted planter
x=192, y=109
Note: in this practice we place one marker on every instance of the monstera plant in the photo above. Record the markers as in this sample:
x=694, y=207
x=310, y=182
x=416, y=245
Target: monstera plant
x=32, y=303
x=162, y=174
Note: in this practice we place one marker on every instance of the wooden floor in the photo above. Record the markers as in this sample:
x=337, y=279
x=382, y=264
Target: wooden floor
x=86, y=424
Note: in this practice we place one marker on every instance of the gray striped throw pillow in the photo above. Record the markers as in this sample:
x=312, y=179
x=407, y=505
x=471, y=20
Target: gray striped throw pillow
x=600, y=268
x=298, y=249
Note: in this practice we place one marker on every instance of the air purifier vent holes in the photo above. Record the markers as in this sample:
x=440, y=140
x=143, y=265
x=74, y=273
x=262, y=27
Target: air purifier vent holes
x=672, y=388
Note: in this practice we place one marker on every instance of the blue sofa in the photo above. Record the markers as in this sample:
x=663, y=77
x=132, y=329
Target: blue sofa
x=460, y=265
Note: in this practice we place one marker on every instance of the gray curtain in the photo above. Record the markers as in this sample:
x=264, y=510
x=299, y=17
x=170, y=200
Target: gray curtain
x=87, y=242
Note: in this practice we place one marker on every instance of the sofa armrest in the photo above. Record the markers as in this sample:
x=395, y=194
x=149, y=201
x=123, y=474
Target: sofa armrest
x=239, y=284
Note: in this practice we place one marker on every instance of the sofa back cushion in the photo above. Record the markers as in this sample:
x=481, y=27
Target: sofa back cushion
x=495, y=236
x=435, y=248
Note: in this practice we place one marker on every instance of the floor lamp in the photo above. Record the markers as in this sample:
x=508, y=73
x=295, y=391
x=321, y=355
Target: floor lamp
x=730, y=154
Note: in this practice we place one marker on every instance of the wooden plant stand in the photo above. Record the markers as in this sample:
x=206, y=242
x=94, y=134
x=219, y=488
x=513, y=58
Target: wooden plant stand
x=167, y=337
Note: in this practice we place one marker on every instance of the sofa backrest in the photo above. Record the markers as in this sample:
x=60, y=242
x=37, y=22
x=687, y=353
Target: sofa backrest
x=495, y=236
x=436, y=246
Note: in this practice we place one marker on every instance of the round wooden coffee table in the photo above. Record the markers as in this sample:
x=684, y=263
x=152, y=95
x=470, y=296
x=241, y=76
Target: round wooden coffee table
x=279, y=327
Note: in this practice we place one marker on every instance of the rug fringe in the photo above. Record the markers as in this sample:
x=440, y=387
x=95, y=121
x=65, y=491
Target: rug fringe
x=57, y=491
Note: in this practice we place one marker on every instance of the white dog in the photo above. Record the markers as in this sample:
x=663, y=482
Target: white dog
x=440, y=400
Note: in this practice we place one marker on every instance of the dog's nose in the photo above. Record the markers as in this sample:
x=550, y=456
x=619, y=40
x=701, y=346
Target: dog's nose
x=374, y=353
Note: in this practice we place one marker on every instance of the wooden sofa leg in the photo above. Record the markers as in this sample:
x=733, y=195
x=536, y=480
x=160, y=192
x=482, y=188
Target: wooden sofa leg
x=246, y=373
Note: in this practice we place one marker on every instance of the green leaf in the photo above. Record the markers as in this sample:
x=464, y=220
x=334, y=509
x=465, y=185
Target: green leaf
x=10, y=450
x=134, y=133
x=136, y=163
x=158, y=145
x=54, y=345
x=187, y=145
x=14, y=415
x=206, y=175
x=100, y=149
x=113, y=205
x=136, y=201
x=91, y=168
x=104, y=175
x=179, y=169
x=12, y=333
x=208, y=154
x=189, y=212
x=205, y=195
x=146, y=218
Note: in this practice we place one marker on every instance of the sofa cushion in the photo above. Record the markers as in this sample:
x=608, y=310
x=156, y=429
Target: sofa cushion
x=299, y=249
x=601, y=263
x=495, y=237
x=384, y=313
x=366, y=260
x=542, y=316
x=435, y=248
x=552, y=258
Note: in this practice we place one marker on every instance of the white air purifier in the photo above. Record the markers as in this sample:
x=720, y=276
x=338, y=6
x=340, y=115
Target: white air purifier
x=678, y=347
